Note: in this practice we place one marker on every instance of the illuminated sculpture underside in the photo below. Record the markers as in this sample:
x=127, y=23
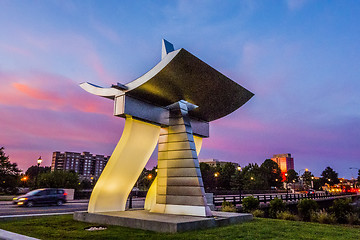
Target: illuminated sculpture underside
x=171, y=105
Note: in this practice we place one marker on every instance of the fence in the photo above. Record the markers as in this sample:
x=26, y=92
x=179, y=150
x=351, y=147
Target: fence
x=268, y=197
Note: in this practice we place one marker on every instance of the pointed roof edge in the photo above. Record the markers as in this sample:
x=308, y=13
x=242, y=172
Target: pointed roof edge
x=167, y=47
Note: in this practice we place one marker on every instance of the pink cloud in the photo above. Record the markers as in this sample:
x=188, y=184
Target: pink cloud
x=49, y=91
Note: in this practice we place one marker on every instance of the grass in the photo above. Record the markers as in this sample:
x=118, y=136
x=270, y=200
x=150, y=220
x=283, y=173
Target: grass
x=64, y=227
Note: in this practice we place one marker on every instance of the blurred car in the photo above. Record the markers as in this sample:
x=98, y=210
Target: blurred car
x=311, y=192
x=42, y=196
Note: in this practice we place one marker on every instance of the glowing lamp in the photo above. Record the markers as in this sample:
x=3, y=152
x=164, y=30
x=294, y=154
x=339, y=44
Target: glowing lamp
x=39, y=161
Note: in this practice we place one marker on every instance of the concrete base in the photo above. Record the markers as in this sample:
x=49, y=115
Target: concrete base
x=143, y=219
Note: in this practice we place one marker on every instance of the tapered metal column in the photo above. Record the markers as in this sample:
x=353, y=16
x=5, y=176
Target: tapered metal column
x=180, y=188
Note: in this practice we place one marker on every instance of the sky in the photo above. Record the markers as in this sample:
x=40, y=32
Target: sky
x=301, y=59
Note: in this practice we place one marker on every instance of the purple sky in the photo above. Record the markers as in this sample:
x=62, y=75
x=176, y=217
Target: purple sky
x=300, y=58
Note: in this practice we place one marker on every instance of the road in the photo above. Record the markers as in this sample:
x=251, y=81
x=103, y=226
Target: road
x=7, y=209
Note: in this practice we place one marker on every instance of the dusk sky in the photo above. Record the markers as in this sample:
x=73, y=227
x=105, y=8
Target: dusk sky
x=301, y=59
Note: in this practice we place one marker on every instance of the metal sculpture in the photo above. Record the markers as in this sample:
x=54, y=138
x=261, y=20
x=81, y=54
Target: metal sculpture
x=172, y=105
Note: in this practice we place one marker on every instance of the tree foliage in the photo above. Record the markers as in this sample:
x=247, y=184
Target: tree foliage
x=307, y=177
x=59, y=179
x=250, y=177
x=329, y=176
x=9, y=174
x=271, y=174
x=31, y=173
x=292, y=176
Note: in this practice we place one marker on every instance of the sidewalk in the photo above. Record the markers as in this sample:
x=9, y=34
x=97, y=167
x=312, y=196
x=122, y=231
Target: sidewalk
x=6, y=235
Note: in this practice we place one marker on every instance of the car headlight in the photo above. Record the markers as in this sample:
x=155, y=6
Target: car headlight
x=15, y=198
x=22, y=199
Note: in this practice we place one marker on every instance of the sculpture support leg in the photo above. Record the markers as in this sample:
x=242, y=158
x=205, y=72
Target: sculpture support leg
x=150, y=199
x=180, y=187
x=129, y=158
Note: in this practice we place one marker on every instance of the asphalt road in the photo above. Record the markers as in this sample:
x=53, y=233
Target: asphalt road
x=7, y=209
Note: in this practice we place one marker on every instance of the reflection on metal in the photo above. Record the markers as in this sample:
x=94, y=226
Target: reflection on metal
x=180, y=95
x=129, y=158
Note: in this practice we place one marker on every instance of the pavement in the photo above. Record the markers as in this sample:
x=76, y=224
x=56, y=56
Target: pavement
x=6, y=235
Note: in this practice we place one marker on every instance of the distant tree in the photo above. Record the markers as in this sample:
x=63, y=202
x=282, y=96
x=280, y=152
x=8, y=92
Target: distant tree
x=59, y=179
x=292, y=175
x=227, y=172
x=32, y=171
x=270, y=173
x=307, y=177
x=207, y=173
x=252, y=177
x=329, y=176
x=9, y=174
x=238, y=181
x=146, y=178
x=86, y=184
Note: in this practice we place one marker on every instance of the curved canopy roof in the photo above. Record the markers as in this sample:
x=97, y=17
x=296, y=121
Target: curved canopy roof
x=182, y=76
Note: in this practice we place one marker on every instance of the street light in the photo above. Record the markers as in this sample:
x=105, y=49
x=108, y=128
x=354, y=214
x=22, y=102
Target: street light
x=312, y=182
x=24, y=179
x=239, y=170
x=37, y=172
x=216, y=175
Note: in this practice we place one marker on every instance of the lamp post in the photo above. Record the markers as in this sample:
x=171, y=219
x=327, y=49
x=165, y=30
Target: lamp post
x=37, y=171
x=239, y=171
x=286, y=181
x=216, y=175
x=312, y=183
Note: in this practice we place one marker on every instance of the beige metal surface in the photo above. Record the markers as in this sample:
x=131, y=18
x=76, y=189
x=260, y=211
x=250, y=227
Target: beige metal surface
x=129, y=158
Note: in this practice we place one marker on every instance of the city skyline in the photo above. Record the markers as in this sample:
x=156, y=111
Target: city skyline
x=299, y=58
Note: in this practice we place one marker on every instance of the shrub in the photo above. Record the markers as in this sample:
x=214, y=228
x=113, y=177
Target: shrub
x=227, y=207
x=353, y=219
x=286, y=215
x=250, y=204
x=276, y=206
x=341, y=208
x=323, y=217
x=258, y=213
x=306, y=207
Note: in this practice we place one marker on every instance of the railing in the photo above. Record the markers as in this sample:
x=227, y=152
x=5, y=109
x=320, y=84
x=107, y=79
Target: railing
x=238, y=199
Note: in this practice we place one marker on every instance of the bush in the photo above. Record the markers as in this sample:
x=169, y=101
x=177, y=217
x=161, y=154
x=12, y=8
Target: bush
x=227, y=207
x=341, y=208
x=258, y=213
x=250, y=204
x=353, y=219
x=306, y=207
x=276, y=206
x=323, y=217
x=286, y=215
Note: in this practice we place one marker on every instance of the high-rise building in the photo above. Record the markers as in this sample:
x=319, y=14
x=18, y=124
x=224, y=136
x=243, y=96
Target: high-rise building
x=87, y=165
x=285, y=162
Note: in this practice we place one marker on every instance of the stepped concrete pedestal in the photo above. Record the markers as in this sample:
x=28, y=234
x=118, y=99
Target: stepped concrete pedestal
x=145, y=220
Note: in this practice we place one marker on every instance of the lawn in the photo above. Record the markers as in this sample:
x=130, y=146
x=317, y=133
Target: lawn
x=64, y=227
